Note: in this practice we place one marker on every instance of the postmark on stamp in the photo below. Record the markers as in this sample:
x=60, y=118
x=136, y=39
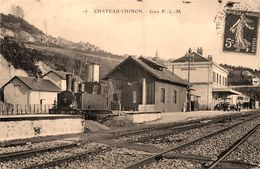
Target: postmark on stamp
x=240, y=32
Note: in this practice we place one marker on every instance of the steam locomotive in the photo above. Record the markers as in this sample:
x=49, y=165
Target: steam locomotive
x=92, y=99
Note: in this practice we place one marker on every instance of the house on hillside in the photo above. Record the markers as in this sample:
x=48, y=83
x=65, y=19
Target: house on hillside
x=57, y=77
x=255, y=80
x=146, y=86
x=30, y=91
x=208, y=79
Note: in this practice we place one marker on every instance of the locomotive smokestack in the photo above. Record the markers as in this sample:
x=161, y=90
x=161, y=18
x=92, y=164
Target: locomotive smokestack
x=68, y=82
x=75, y=86
x=89, y=72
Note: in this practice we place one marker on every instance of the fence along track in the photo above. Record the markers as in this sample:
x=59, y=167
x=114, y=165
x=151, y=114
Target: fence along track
x=159, y=155
x=19, y=109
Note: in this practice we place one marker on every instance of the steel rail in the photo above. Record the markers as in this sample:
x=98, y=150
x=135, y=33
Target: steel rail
x=133, y=131
x=67, y=158
x=168, y=126
x=233, y=147
x=174, y=131
x=6, y=156
x=159, y=155
x=174, y=125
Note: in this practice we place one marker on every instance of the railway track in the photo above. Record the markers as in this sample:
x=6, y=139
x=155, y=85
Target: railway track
x=67, y=158
x=187, y=129
x=57, y=161
x=168, y=129
x=38, y=158
x=175, y=125
x=119, y=134
x=12, y=155
x=160, y=155
x=88, y=154
x=230, y=149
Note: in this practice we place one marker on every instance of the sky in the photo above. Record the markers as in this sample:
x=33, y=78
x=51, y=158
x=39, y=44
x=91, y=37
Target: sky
x=139, y=34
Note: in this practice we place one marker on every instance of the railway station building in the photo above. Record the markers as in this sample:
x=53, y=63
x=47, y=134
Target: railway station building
x=208, y=79
x=30, y=93
x=57, y=77
x=146, y=86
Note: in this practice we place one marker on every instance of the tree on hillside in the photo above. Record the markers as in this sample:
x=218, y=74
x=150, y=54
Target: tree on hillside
x=3, y=33
x=17, y=11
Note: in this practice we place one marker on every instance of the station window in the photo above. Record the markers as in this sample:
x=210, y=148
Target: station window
x=134, y=97
x=162, y=95
x=174, y=96
x=17, y=90
x=214, y=77
x=219, y=79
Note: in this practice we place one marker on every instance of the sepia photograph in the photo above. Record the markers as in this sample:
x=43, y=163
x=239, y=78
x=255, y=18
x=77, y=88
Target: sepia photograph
x=128, y=84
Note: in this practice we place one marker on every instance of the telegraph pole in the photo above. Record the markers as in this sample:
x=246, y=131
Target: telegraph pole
x=189, y=86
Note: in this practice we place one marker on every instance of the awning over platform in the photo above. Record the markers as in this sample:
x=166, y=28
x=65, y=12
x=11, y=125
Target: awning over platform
x=226, y=91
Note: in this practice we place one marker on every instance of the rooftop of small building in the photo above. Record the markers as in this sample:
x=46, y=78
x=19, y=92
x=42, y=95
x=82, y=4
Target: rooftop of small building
x=36, y=84
x=61, y=74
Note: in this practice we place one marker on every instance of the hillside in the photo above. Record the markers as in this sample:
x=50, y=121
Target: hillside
x=11, y=22
x=8, y=71
x=23, y=32
x=24, y=46
x=239, y=75
x=26, y=57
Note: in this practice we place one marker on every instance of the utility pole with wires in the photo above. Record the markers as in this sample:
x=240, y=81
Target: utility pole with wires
x=189, y=57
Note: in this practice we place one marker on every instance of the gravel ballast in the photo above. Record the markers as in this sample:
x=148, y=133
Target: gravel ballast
x=213, y=146
x=116, y=158
x=48, y=156
x=174, y=164
x=32, y=146
x=186, y=136
x=249, y=151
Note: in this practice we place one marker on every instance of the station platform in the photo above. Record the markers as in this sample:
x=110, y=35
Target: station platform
x=15, y=127
x=35, y=116
x=169, y=117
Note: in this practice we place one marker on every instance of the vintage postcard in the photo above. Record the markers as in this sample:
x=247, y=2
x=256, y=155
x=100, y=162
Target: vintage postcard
x=111, y=84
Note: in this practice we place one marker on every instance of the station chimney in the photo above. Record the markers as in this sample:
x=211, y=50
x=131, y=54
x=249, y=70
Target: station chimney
x=92, y=72
x=200, y=50
x=210, y=57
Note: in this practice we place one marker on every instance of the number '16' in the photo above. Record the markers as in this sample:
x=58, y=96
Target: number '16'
x=229, y=42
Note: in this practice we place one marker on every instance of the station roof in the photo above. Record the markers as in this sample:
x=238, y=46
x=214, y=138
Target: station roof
x=225, y=90
x=61, y=74
x=162, y=74
x=152, y=63
x=196, y=58
x=36, y=84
